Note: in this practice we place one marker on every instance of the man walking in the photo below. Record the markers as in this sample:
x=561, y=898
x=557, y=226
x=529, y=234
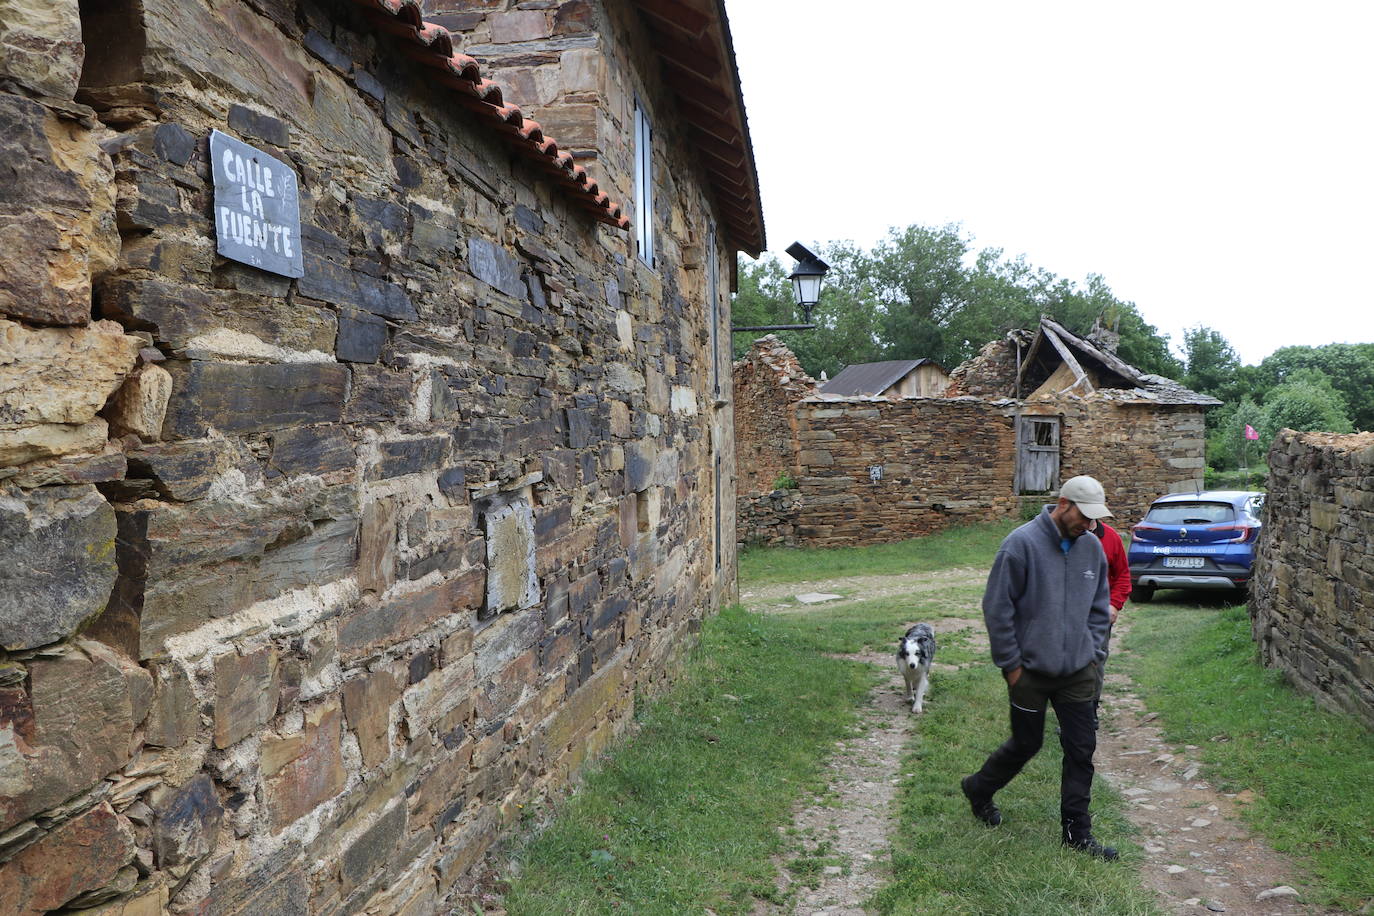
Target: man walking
x=1047, y=614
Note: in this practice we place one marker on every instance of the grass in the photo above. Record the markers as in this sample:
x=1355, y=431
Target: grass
x=1311, y=771
x=685, y=815
x=971, y=545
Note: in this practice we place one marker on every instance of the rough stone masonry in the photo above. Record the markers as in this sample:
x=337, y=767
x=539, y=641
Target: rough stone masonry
x=1314, y=568
x=308, y=585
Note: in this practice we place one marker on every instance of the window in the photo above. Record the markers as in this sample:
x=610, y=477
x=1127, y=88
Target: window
x=644, y=185
x=713, y=292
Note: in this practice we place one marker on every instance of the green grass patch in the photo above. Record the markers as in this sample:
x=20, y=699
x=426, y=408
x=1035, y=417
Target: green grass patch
x=1311, y=771
x=946, y=862
x=971, y=545
x=684, y=815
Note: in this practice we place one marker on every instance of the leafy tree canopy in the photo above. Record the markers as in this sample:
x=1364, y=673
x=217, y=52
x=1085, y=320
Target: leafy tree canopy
x=925, y=292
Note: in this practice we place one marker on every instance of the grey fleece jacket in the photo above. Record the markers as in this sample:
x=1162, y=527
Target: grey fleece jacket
x=1045, y=610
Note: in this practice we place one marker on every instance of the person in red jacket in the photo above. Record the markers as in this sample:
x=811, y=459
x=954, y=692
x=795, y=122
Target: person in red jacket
x=1119, y=579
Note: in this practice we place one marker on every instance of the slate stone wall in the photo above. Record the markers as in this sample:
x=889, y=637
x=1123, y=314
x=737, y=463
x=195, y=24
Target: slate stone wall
x=307, y=586
x=945, y=462
x=1138, y=451
x=768, y=382
x=1314, y=571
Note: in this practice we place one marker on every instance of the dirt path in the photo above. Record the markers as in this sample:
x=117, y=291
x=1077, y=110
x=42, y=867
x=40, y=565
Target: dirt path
x=1199, y=857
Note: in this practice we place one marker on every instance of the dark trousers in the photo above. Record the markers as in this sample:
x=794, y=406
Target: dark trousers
x=1073, y=698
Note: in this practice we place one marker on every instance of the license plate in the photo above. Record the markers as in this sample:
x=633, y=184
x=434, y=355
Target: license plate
x=1183, y=562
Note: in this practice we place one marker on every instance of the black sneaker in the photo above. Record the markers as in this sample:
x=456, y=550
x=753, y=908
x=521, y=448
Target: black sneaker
x=983, y=808
x=1087, y=844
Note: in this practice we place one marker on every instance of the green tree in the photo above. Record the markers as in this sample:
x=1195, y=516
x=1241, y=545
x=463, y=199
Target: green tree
x=1348, y=367
x=1226, y=440
x=1211, y=363
x=1306, y=401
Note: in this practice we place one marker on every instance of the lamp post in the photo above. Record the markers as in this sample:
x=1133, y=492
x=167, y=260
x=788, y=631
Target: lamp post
x=806, y=288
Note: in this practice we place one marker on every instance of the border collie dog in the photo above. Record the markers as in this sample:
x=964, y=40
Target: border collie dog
x=915, y=652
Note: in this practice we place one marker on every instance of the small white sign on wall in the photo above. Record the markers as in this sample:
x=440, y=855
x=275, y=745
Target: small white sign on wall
x=257, y=207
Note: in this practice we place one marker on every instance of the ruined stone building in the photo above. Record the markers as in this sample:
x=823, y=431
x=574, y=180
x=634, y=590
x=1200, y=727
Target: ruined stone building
x=1029, y=411
x=365, y=443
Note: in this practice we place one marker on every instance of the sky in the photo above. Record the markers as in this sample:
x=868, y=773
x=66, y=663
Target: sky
x=1213, y=160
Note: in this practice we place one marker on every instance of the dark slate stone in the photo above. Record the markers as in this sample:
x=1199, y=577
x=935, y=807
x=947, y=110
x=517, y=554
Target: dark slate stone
x=549, y=522
x=185, y=825
x=420, y=667
x=520, y=343
x=408, y=174
x=361, y=336
x=321, y=242
x=368, y=83
x=377, y=394
x=264, y=127
x=174, y=143
x=59, y=563
x=310, y=450
x=331, y=282
x=537, y=297
x=182, y=470
x=479, y=438
x=249, y=398
x=410, y=456
x=327, y=51
x=639, y=467
x=453, y=482
x=383, y=214
x=528, y=219
x=455, y=737
x=613, y=293
x=429, y=236
x=369, y=854
x=496, y=267
x=609, y=613
x=443, y=402
x=458, y=22
x=581, y=429
x=446, y=559
x=529, y=438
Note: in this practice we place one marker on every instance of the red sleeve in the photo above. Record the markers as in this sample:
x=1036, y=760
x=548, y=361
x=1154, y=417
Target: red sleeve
x=1118, y=569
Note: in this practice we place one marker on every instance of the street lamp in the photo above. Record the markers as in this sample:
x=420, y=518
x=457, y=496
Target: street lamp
x=806, y=288
x=806, y=278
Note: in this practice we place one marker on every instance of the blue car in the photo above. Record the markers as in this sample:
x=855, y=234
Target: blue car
x=1203, y=540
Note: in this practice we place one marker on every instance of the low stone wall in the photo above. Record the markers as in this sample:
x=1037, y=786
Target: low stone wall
x=1314, y=573
x=770, y=520
x=943, y=461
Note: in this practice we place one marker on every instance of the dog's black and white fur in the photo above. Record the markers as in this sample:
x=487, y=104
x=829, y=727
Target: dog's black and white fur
x=915, y=652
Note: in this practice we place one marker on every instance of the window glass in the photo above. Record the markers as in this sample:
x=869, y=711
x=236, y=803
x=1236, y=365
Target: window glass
x=1191, y=513
x=644, y=185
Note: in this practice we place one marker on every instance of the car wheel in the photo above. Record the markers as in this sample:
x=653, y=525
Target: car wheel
x=1143, y=594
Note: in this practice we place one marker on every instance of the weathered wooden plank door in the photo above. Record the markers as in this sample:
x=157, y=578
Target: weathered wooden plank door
x=1037, y=454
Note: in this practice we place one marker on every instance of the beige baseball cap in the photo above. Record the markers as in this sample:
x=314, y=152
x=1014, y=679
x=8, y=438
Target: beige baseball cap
x=1087, y=494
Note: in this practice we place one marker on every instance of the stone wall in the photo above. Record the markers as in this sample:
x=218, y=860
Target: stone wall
x=1314, y=571
x=1138, y=451
x=306, y=586
x=768, y=382
x=944, y=462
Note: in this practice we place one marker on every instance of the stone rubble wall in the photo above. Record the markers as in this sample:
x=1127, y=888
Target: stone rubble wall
x=308, y=586
x=768, y=382
x=1314, y=571
x=945, y=462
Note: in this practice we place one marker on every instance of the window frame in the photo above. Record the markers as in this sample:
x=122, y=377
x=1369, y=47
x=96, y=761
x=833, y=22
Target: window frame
x=644, y=185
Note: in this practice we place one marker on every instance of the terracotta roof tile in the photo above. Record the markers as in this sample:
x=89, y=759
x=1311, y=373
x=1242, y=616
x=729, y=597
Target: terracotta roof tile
x=432, y=45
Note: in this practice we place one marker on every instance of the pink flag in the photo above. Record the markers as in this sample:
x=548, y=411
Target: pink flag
x=1250, y=432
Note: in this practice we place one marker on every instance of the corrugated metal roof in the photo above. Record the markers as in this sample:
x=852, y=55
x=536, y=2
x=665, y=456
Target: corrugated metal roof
x=871, y=378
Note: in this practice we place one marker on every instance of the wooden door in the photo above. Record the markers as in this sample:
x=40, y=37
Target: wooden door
x=1037, y=454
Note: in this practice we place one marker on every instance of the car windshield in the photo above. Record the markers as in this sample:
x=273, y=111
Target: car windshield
x=1191, y=513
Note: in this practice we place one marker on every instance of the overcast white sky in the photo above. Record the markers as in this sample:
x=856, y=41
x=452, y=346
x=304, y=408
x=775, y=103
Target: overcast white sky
x=1212, y=159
